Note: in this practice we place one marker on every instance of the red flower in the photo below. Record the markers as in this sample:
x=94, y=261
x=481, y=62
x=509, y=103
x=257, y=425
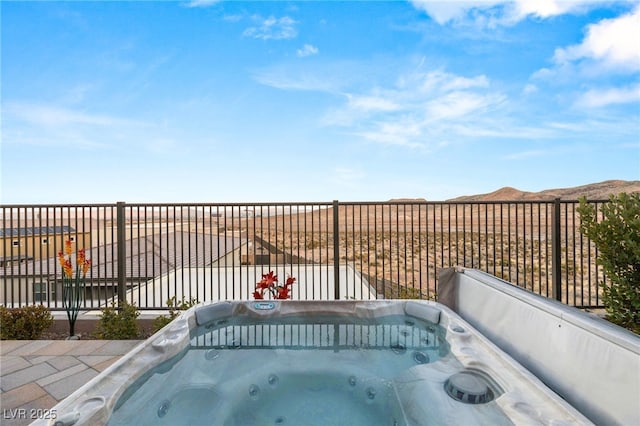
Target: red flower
x=263, y=285
x=269, y=282
x=283, y=293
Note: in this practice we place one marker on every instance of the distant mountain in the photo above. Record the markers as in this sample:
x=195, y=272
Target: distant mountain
x=407, y=200
x=593, y=191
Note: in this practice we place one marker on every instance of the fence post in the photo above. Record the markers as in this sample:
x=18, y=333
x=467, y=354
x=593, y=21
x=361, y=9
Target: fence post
x=556, y=253
x=121, y=254
x=336, y=250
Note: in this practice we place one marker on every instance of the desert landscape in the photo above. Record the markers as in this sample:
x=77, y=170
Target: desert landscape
x=401, y=245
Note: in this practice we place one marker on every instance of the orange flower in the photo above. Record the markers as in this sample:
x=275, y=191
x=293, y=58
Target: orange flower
x=82, y=263
x=67, y=247
x=85, y=266
x=67, y=268
x=61, y=259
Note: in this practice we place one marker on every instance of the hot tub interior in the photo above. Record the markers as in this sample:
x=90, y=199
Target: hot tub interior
x=296, y=370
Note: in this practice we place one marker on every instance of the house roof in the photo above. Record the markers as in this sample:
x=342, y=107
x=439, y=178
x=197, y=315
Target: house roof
x=35, y=230
x=146, y=257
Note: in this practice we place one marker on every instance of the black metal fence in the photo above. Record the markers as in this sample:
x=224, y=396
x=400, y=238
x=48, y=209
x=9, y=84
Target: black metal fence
x=149, y=253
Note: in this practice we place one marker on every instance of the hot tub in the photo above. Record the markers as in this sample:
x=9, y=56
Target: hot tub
x=316, y=363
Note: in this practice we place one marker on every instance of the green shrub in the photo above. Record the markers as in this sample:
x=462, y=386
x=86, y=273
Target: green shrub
x=617, y=238
x=118, y=324
x=174, y=310
x=26, y=323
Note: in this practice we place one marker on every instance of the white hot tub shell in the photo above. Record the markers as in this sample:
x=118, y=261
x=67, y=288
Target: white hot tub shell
x=423, y=393
x=592, y=363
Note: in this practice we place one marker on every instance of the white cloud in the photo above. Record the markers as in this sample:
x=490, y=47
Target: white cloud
x=459, y=104
x=304, y=75
x=574, y=127
x=444, y=12
x=604, y=97
x=443, y=82
x=426, y=109
x=420, y=111
x=347, y=176
x=547, y=8
x=40, y=124
x=284, y=80
x=371, y=103
x=232, y=18
x=201, y=3
x=491, y=13
x=272, y=28
x=612, y=43
x=524, y=155
x=406, y=132
x=307, y=50
x=604, y=65
x=46, y=115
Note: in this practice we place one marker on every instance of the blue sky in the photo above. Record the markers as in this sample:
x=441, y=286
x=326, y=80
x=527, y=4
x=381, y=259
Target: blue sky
x=208, y=101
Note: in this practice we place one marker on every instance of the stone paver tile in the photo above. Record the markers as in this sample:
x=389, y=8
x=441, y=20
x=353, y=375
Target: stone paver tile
x=57, y=347
x=26, y=375
x=65, y=387
x=38, y=359
x=43, y=403
x=29, y=348
x=62, y=362
x=9, y=364
x=20, y=396
x=61, y=375
x=17, y=417
x=93, y=360
x=7, y=346
x=106, y=364
x=117, y=347
x=86, y=347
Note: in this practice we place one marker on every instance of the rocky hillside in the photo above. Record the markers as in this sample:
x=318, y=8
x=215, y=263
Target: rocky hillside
x=594, y=191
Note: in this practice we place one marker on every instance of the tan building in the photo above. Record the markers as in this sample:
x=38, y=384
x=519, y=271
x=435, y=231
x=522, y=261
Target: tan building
x=38, y=242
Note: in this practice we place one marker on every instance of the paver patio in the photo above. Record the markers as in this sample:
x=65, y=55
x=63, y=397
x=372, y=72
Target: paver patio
x=36, y=375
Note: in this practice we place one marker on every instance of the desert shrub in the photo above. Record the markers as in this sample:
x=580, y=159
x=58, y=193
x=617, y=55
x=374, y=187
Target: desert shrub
x=26, y=323
x=118, y=324
x=175, y=308
x=413, y=293
x=617, y=238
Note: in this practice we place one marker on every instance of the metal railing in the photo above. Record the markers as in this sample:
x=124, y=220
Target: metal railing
x=148, y=253
x=330, y=333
